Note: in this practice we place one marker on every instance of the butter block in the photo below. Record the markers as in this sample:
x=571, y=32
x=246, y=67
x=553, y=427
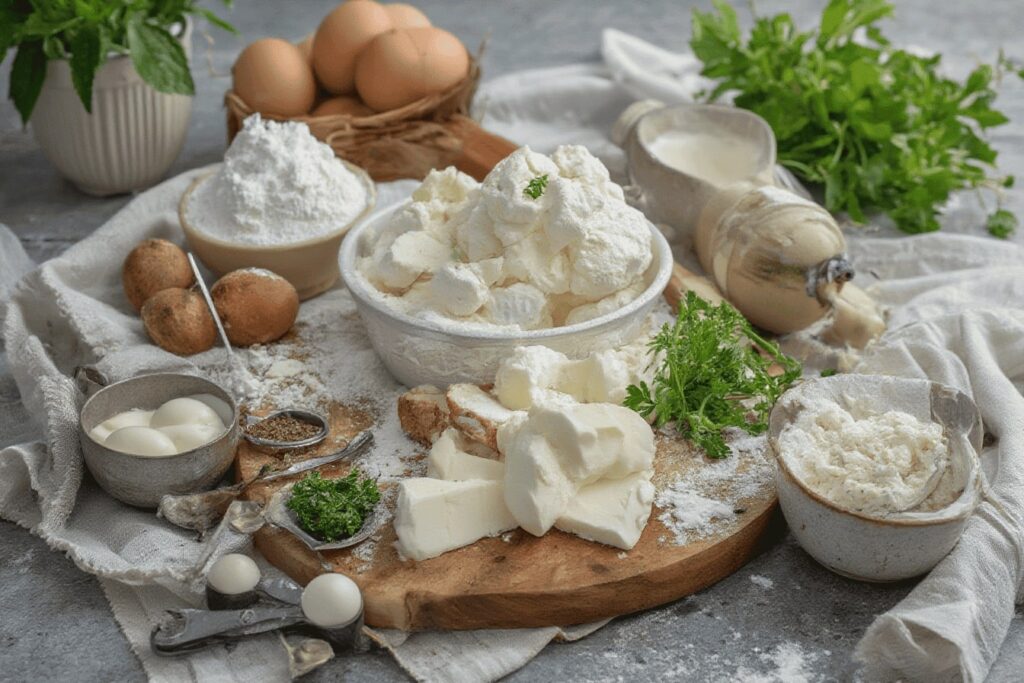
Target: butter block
x=434, y=516
x=448, y=460
x=610, y=511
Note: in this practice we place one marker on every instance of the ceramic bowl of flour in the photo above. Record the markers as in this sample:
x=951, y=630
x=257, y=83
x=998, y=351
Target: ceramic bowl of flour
x=419, y=351
x=311, y=265
x=896, y=545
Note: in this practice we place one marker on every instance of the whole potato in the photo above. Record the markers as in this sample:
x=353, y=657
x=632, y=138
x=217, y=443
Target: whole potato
x=153, y=266
x=255, y=305
x=177, y=320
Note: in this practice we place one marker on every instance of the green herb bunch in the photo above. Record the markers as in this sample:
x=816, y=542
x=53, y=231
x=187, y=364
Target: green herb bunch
x=712, y=376
x=880, y=128
x=85, y=31
x=333, y=508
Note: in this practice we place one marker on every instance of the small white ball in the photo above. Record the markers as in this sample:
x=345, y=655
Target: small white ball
x=141, y=441
x=185, y=411
x=233, y=574
x=331, y=600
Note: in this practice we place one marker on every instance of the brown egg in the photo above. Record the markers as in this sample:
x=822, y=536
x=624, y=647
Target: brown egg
x=306, y=48
x=404, y=65
x=153, y=266
x=273, y=77
x=256, y=306
x=177, y=320
x=341, y=37
x=406, y=16
x=342, y=104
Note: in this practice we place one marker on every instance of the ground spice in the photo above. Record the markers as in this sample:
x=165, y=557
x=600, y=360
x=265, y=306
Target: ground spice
x=282, y=428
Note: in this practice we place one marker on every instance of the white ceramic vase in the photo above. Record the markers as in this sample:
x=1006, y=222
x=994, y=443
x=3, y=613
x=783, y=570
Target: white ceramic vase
x=128, y=142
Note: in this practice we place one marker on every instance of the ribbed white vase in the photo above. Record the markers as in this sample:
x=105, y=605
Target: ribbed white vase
x=131, y=138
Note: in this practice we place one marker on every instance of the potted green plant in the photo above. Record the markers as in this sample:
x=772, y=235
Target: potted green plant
x=105, y=84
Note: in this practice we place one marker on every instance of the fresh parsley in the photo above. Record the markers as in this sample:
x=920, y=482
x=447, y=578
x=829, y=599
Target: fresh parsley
x=711, y=375
x=829, y=372
x=85, y=32
x=330, y=509
x=1002, y=224
x=879, y=128
x=535, y=188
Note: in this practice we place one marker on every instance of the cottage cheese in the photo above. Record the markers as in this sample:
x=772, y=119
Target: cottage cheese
x=877, y=464
x=488, y=253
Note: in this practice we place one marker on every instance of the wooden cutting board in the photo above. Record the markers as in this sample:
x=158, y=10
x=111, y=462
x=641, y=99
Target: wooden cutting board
x=518, y=580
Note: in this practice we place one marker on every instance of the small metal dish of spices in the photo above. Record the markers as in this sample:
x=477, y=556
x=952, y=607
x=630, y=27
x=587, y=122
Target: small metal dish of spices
x=285, y=430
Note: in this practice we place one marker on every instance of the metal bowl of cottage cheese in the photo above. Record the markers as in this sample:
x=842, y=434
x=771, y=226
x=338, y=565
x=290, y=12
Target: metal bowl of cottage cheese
x=877, y=476
x=545, y=250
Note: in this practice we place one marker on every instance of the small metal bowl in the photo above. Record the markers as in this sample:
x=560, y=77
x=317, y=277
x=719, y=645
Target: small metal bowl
x=271, y=446
x=140, y=480
x=277, y=514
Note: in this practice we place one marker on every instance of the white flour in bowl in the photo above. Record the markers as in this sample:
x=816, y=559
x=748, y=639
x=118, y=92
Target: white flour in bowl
x=278, y=185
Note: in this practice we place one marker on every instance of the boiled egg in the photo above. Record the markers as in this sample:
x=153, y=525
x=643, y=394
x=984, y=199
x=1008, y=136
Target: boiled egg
x=233, y=574
x=404, y=65
x=331, y=600
x=342, y=104
x=406, y=16
x=219, y=405
x=342, y=35
x=185, y=411
x=141, y=441
x=129, y=418
x=187, y=437
x=273, y=77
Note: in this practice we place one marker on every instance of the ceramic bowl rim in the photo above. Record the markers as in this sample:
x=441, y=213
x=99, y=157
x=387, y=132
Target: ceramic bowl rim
x=193, y=232
x=896, y=520
x=360, y=288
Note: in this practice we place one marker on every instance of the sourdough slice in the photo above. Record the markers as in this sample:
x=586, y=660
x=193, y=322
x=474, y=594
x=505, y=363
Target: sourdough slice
x=423, y=413
x=476, y=413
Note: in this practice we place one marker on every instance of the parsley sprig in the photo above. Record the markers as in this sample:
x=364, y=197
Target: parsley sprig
x=333, y=508
x=879, y=128
x=535, y=188
x=711, y=376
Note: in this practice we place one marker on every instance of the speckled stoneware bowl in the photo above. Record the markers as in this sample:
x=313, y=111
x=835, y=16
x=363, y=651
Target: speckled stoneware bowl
x=901, y=545
x=140, y=480
x=310, y=265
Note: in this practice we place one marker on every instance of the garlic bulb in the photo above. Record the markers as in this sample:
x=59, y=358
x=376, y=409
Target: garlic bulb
x=779, y=258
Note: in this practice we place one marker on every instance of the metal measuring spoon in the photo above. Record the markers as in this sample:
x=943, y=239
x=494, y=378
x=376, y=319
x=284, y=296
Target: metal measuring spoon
x=274, y=446
x=201, y=511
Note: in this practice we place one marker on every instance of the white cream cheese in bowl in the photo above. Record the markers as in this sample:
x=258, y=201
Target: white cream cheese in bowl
x=877, y=476
x=452, y=281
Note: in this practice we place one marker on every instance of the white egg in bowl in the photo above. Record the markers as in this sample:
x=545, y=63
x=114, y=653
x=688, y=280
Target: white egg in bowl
x=159, y=434
x=862, y=513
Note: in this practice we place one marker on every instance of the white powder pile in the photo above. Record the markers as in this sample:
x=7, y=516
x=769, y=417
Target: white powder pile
x=791, y=665
x=278, y=185
x=762, y=581
x=703, y=502
x=874, y=463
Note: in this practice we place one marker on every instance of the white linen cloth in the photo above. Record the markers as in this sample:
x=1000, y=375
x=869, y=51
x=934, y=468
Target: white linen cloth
x=958, y=318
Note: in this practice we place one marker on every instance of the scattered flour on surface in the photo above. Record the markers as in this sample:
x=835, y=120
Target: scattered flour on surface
x=762, y=581
x=703, y=502
x=791, y=664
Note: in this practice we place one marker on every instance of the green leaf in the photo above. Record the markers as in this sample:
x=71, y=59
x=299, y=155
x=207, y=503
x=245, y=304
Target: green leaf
x=86, y=56
x=27, y=75
x=1002, y=224
x=216, y=21
x=159, y=58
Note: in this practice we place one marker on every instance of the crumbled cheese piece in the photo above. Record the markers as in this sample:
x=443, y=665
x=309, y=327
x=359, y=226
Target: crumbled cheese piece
x=872, y=463
x=575, y=252
x=449, y=460
x=611, y=511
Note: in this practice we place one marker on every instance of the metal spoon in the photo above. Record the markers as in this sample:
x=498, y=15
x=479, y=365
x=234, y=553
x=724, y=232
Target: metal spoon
x=201, y=511
x=209, y=304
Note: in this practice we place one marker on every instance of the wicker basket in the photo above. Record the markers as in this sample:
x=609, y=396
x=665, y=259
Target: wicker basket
x=433, y=132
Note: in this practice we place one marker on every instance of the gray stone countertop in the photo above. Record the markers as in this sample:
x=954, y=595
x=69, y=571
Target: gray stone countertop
x=780, y=618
